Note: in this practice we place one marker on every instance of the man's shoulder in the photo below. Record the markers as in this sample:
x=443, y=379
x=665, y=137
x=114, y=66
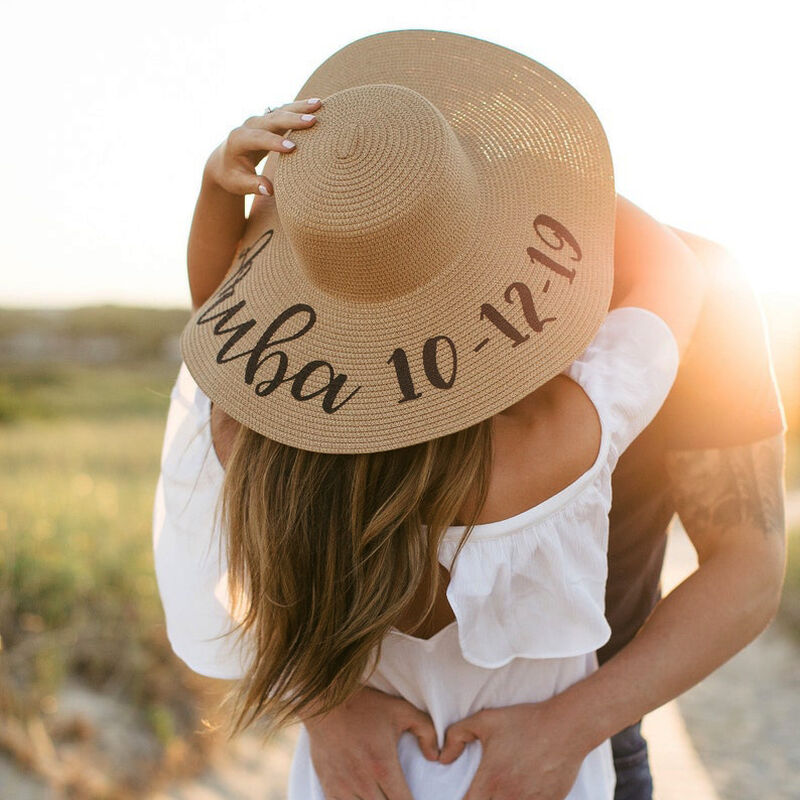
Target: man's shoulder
x=700, y=244
x=726, y=272
x=725, y=391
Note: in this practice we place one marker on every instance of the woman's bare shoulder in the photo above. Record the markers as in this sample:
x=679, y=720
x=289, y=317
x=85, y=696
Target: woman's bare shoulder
x=560, y=440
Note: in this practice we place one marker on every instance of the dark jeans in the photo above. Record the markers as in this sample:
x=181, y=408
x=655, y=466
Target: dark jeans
x=634, y=781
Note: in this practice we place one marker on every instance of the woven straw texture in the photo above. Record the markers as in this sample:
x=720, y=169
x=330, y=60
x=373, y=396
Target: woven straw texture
x=440, y=244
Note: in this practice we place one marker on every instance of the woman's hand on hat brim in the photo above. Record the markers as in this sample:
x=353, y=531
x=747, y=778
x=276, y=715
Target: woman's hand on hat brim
x=233, y=163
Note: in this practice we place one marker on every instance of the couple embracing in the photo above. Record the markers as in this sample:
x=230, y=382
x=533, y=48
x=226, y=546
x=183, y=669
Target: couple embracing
x=442, y=393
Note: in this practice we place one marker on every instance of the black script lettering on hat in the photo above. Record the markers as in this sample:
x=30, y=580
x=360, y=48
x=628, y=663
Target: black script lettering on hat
x=528, y=307
x=430, y=364
x=560, y=231
x=246, y=257
x=225, y=292
x=404, y=379
x=237, y=331
x=257, y=356
x=538, y=255
x=563, y=235
x=488, y=311
x=331, y=389
x=399, y=358
x=257, y=360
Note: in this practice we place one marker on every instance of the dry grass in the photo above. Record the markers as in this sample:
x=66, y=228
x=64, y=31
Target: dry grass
x=91, y=696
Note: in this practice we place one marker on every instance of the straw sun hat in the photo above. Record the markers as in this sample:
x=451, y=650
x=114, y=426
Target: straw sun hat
x=439, y=245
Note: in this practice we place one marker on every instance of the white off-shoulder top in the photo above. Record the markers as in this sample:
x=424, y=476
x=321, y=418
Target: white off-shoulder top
x=527, y=592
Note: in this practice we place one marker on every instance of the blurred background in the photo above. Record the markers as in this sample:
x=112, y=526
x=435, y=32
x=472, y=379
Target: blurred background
x=111, y=112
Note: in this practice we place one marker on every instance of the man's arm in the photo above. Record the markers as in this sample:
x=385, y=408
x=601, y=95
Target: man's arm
x=730, y=493
x=730, y=501
x=656, y=270
x=731, y=504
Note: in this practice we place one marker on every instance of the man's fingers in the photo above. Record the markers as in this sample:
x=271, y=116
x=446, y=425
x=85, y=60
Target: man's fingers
x=361, y=789
x=422, y=727
x=458, y=735
x=454, y=743
x=410, y=718
x=393, y=783
x=481, y=787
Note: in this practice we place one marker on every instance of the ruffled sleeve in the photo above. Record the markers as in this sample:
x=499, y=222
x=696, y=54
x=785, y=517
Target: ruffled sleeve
x=627, y=371
x=533, y=585
x=537, y=591
x=190, y=564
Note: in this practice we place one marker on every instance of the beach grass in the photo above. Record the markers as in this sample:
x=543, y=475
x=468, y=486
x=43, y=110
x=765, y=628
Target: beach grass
x=79, y=606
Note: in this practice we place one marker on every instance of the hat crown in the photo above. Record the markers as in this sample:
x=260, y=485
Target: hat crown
x=511, y=250
x=380, y=195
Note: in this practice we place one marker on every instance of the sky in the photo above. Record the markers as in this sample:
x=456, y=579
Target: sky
x=111, y=110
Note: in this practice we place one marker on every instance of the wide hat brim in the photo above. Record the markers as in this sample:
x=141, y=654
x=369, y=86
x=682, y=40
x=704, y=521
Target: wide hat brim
x=329, y=374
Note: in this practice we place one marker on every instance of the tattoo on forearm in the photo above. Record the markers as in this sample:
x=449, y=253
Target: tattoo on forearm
x=714, y=490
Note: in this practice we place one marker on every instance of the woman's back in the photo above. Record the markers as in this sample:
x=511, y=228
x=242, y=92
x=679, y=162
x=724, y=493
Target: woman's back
x=542, y=444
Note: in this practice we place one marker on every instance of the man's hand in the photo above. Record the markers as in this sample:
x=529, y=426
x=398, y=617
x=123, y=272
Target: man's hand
x=354, y=747
x=530, y=751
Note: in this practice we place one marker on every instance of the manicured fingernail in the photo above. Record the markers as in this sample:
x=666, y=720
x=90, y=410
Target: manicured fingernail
x=287, y=143
x=263, y=189
x=312, y=100
x=307, y=117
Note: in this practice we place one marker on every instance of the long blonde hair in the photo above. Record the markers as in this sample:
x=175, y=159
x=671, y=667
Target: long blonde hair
x=324, y=553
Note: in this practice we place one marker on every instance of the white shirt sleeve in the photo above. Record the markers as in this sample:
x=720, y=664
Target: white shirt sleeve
x=627, y=371
x=189, y=556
